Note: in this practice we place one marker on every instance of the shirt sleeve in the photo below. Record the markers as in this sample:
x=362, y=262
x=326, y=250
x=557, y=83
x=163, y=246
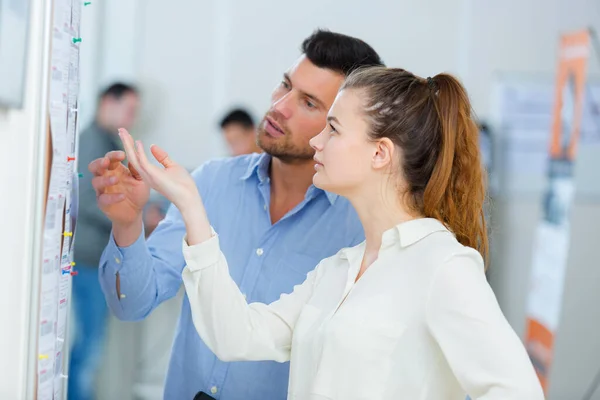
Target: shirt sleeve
x=484, y=352
x=233, y=329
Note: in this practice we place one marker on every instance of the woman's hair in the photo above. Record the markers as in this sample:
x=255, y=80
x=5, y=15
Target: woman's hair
x=430, y=121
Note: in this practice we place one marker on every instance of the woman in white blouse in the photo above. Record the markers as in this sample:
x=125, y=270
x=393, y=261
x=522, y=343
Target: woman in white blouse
x=408, y=313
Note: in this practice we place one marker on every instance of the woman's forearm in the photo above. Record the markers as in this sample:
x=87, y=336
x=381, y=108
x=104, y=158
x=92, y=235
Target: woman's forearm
x=196, y=221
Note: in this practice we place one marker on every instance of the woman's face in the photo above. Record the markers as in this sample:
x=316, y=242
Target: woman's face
x=343, y=152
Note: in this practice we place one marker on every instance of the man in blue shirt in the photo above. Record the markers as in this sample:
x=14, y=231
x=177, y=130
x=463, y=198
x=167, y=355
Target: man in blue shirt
x=274, y=225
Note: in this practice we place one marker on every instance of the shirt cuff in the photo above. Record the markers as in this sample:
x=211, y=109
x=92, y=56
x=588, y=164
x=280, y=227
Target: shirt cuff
x=118, y=256
x=202, y=255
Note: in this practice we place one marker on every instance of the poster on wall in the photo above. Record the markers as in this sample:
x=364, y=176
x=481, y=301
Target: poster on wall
x=551, y=243
x=62, y=203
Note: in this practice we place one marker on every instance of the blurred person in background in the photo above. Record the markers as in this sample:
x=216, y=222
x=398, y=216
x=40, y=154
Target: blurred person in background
x=273, y=223
x=118, y=106
x=239, y=132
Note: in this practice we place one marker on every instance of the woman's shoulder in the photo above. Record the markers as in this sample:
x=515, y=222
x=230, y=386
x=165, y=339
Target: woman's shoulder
x=344, y=255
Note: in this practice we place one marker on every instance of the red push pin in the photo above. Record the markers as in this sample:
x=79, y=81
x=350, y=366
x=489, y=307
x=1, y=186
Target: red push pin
x=73, y=273
x=70, y=159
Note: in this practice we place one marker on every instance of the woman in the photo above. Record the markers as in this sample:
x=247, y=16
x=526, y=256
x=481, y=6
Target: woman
x=408, y=313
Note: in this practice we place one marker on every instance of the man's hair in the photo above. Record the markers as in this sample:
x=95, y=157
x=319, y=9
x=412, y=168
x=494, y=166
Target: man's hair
x=338, y=52
x=238, y=116
x=118, y=90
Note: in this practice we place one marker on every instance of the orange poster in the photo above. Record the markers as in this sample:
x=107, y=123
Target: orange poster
x=551, y=245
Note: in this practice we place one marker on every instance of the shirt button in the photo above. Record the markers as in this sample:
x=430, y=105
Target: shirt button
x=265, y=207
x=213, y=390
x=117, y=260
x=259, y=252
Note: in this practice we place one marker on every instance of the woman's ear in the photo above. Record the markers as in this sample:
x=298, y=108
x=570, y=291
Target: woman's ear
x=384, y=153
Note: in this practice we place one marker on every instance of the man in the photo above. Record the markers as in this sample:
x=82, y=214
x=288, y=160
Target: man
x=239, y=132
x=117, y=107
x=274, y=225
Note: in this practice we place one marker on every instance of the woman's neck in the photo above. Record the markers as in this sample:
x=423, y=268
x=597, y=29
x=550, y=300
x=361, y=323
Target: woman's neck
x=378, y=212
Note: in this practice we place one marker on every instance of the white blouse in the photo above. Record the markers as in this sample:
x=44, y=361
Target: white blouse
x=421, y=323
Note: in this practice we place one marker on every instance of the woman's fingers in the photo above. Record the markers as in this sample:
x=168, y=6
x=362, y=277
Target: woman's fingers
x=148, y=167
x=129, y=148
x=161, y=156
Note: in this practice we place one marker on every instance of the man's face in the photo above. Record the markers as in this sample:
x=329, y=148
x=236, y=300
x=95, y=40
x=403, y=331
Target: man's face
x=299, y=106
x=240, y=139
x=122, y=112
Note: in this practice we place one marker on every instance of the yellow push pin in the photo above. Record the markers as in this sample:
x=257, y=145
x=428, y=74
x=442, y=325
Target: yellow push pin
x=43, y=356
x=72, y=263
x=68, y=234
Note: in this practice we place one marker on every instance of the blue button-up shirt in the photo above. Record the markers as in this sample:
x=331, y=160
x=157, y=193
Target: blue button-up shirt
x=265, y=260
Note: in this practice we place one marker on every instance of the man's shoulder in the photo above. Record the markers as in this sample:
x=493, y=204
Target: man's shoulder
x=93, y=143
x=229, y=167
x=88, y=134
x=243, y=161
x=93, y=131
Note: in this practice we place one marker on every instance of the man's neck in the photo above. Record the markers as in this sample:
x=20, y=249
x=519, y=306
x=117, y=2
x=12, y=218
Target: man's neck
x=289, y=183
x=104, y=126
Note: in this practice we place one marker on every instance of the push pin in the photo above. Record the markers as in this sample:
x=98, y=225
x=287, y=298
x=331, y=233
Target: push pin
x=76, y=40
x=80, y=175
x=43, y=356
x=70, y=159
x=65, y=271
x=87, y=3
x=73, y=263
x=68, y=234
x=74, y=273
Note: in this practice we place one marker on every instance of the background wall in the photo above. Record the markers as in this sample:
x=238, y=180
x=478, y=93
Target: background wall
x=195, y=59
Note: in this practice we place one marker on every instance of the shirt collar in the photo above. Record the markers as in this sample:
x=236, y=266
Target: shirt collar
x=404, y=234
x=260, y=167
x=411, y=232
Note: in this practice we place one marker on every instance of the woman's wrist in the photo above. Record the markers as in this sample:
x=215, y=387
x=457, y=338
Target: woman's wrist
x=196, y=221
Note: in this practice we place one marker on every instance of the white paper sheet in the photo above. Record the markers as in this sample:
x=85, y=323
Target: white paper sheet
x=56, y=265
